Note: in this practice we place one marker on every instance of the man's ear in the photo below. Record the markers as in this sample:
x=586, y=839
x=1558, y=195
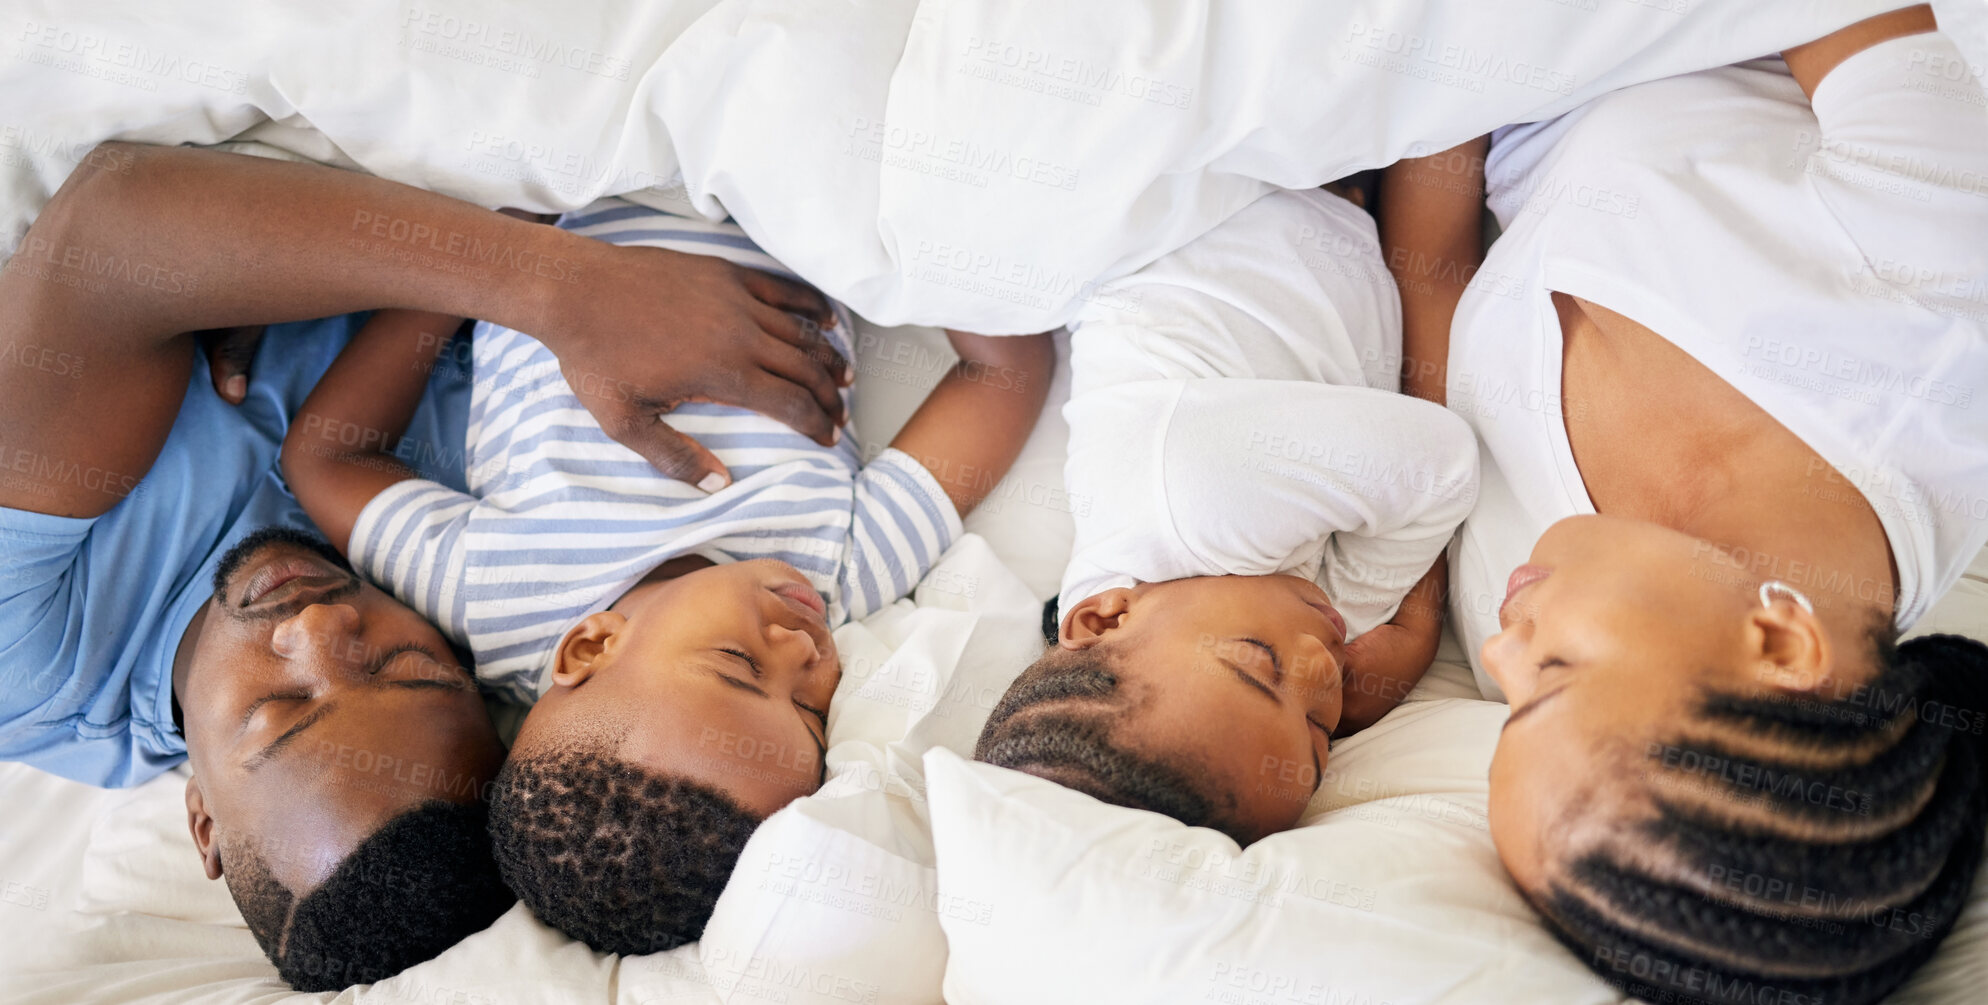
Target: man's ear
x=1791, y=647
x=1088, y=622
x=587, y=647
x=201, y=825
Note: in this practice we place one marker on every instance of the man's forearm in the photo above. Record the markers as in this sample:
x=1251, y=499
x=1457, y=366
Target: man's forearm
x=144, y=243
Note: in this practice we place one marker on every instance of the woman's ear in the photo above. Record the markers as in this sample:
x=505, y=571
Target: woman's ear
x=586, y=647
x=201, y=825
x=1088, y=622
x=1791, y=647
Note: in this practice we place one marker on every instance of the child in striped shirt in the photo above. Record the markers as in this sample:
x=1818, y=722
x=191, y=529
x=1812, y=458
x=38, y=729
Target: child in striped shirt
x=675, y=642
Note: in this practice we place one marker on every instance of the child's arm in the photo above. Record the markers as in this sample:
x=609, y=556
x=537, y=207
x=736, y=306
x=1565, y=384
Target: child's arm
x=1431, y=223
x=339, y=453
x=974, y=423
x=1383, y=665
x=1810, y=62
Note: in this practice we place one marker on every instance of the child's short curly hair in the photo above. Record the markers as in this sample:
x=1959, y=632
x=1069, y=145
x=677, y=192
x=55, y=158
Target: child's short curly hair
x=622, y=858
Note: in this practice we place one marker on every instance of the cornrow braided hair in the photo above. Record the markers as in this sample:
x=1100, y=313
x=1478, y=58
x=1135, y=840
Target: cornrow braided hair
x=1077, y=749
x=624, y=859
x=1802, y=852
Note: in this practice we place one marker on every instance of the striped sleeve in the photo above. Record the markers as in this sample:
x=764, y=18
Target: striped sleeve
x=409, y=540
x=902, y=523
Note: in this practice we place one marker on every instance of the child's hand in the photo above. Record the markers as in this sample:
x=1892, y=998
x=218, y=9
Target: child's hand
x=1383, y=665
x=230, y=352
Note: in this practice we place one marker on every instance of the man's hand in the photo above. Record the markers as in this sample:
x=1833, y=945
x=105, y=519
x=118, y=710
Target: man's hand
x=650, y=329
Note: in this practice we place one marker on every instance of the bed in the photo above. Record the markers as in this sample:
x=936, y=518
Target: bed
x=914, y=875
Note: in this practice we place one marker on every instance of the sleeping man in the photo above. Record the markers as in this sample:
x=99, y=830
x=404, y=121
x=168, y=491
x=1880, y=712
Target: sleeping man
x=672, y=639
x=163, y=598
x=1257, y=504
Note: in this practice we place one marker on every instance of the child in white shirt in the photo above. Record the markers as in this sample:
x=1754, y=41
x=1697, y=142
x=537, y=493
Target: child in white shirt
x=1257, y=503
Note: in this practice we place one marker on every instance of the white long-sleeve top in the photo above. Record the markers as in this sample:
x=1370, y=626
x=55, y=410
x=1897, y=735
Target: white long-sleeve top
x=1233, y=411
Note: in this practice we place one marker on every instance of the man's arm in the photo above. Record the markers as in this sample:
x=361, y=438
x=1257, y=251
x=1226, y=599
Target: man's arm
x=144, y=245
x=969, y=430
x=339, y=452
x=1431, y=227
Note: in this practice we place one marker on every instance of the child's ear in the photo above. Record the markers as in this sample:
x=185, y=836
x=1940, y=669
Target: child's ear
x=1088, y=622
x=586, y=647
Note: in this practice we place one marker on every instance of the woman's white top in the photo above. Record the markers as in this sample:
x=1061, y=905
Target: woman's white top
x=1830, y=261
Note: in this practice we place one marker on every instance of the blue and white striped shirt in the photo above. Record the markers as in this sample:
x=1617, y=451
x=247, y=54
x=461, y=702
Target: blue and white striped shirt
x=560, y=520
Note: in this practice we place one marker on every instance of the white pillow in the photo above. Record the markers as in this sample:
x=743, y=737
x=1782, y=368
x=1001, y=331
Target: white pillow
x=141, y=859
x=816, y=913
x=1394, y=894
x=835, y=898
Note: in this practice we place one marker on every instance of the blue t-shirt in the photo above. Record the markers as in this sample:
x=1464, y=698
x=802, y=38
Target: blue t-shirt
x=92, y=609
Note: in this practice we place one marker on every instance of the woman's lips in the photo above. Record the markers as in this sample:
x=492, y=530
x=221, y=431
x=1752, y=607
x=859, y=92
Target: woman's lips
x=1523, y=577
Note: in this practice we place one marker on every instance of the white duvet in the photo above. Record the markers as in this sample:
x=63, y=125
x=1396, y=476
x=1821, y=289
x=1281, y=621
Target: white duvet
x=971, y=163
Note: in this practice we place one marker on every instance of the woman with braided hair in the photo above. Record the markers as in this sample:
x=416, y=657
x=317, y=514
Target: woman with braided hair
x=1723, y=362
